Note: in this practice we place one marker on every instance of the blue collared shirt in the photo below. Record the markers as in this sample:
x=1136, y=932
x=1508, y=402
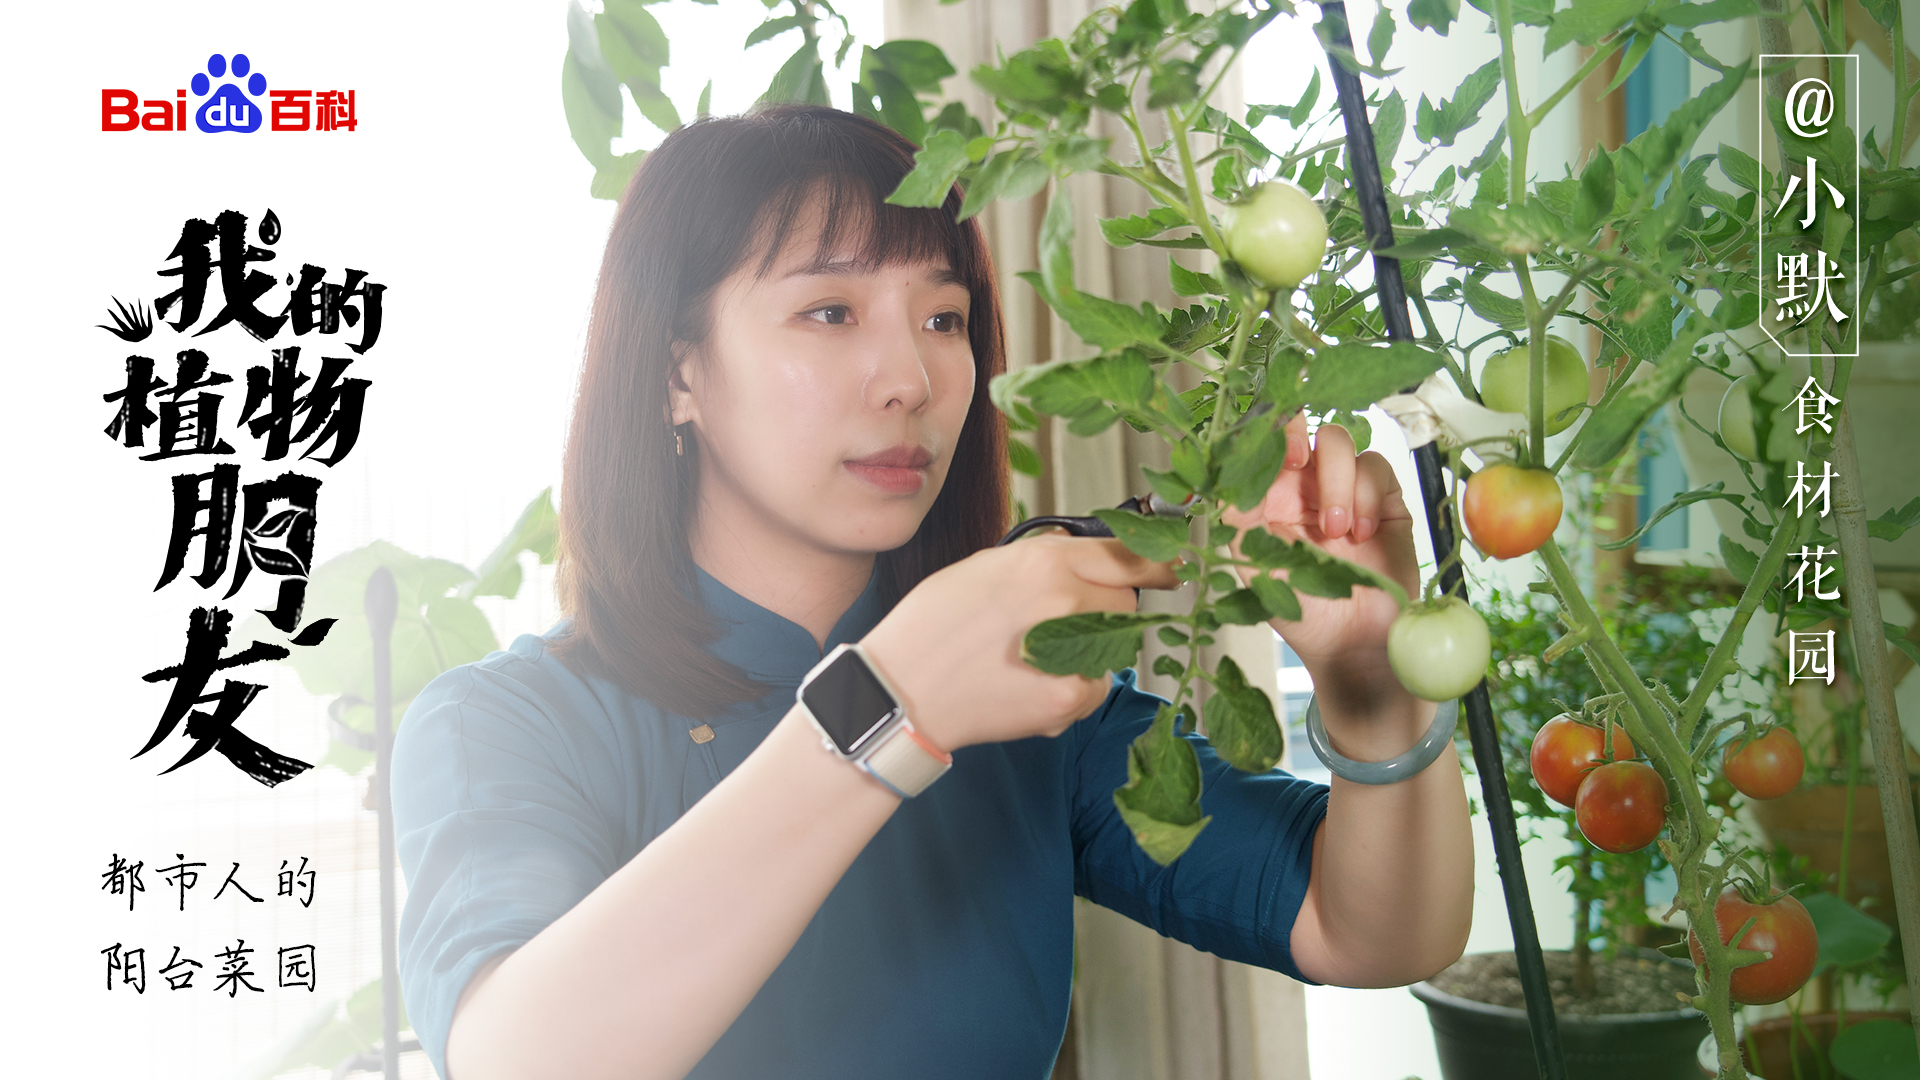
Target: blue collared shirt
x=946, y=951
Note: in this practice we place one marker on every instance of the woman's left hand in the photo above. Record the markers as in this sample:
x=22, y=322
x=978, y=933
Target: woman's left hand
x=1349, y=505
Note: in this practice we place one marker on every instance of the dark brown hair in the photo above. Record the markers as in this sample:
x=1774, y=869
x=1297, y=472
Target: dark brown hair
x=715, y=193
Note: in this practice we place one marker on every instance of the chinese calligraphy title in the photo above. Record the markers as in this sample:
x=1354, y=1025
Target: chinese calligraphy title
x=285, y=408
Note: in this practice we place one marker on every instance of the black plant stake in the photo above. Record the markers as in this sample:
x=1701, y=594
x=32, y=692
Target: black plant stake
x=1364, y=167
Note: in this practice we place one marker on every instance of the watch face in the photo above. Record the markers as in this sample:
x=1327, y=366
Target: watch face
x=848, y=701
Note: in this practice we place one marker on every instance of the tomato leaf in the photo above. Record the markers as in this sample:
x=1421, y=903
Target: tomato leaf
x=1102, y=323
x=1614, y=424
x=1848, y=936
x=1311, y=570
x=1241, y=607
x=1899, y=637
x=1500, y=310
x=1125, y=231
x=1156, y=538
x=1587, y=21
x=1740, y=562
x=1256, y=450
x=1594, y=203
x=1193, y=283
x=1444, y=123
x=1893, y=524
x=1088, y=644
x=1685, y=498
x=1240, y=721
x=1697, y=13
x=1277, y=597
x=1160, y=801
x=1354, y=375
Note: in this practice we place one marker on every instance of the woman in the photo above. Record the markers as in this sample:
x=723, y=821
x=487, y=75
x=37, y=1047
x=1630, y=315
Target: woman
x=628, y=852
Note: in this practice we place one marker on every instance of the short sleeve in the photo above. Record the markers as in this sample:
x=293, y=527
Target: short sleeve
x=1237, y=890
x=496, y=836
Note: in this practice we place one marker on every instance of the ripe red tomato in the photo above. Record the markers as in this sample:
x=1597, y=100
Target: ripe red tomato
x=1564, y=750
x=1621, y=806
x=1511, y=510
x=1781, y=927
x=1766, y=768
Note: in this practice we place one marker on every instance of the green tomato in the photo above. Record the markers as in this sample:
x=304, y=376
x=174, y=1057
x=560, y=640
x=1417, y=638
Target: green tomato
x=1277, y=234
x=1439, y=649
x=1736, y=419
x=1505, y=381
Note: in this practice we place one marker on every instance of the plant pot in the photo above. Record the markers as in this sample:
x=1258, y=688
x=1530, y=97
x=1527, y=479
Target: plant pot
x=1478, y=1041
x=1809, y=822
x=1770, y=1042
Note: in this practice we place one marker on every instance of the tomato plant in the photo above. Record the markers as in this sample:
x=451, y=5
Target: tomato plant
x=1781, y=928
x=1511, y=511
x=1439, y=649
x=1277, y=234
x=1621, y=806
x=1653, y=246
x=1506, y=380
x=1767, y=767
x=1565, y=750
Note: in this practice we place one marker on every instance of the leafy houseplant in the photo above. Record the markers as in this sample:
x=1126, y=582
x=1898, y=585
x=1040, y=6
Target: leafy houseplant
x=437, y=627
x=1646, y=244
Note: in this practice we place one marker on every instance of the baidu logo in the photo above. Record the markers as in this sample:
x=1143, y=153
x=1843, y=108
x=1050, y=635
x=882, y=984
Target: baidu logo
x=237, y=100
x=229, y=108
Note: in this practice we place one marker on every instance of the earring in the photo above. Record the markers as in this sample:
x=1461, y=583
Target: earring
x=679, y=450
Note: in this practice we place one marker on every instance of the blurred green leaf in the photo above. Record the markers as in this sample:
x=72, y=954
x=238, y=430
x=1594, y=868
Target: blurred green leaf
x=775, y=27
x=593, y=127
x=1434, y=15
x=1848, y=936
x=1876, y=1050
x=936, y=166
x=1587, y=21
x=1894, y=524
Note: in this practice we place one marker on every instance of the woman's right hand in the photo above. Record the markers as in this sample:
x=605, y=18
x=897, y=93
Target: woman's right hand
x=951, y=646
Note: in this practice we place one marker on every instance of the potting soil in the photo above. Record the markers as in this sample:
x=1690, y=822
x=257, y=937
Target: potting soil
x=1626, y=984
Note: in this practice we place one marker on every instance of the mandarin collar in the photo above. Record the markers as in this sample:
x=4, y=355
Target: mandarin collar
x=772, y=648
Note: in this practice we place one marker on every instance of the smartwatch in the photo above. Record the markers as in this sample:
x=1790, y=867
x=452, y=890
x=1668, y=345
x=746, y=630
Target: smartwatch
x=862, y=720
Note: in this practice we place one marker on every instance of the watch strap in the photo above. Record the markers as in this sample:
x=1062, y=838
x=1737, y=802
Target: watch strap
x=905, y=761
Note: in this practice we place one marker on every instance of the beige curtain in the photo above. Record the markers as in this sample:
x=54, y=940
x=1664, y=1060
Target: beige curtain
x=1145, y=1007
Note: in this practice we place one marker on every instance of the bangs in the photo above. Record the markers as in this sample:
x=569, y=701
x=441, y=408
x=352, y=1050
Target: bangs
x=858, y=229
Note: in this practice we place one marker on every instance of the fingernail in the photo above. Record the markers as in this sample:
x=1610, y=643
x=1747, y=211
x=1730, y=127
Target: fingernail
x=1334, y=521
x=1363, y=530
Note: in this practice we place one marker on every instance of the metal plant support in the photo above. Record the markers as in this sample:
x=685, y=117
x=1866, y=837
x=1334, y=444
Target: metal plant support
x=1364, y=168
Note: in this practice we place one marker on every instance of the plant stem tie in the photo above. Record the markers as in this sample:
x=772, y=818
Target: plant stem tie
x=1438, y=737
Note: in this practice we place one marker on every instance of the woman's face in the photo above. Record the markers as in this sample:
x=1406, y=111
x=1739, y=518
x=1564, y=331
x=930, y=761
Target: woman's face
x=826, y=399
